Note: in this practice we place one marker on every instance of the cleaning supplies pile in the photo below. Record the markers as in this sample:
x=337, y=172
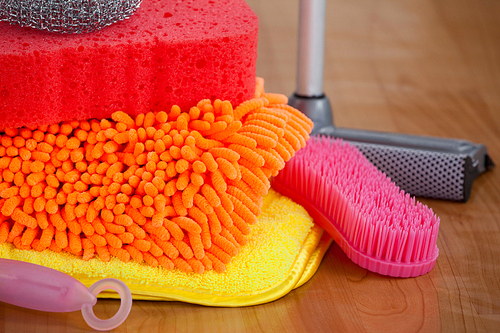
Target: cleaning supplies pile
x=176, y=189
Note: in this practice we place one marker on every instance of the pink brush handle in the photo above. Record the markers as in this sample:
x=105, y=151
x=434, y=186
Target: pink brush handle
x=44, y=289
x=41, y=288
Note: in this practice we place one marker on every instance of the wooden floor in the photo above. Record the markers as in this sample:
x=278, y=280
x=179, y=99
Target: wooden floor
x=426, y=67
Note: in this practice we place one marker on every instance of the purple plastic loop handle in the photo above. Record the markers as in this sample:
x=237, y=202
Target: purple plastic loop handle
x=44, y=289
x=123, y=312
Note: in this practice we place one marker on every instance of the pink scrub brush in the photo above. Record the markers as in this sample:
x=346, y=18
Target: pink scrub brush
x=40, y=288
x=375, y=223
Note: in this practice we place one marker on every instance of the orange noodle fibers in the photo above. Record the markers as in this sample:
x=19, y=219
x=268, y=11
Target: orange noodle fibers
x=177, y=189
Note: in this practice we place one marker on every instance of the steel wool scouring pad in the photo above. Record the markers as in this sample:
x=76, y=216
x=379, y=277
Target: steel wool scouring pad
x=73, y=16
x=167, y=52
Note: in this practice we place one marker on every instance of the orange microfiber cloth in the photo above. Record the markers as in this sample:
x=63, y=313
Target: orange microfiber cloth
x=177, y=189
x=174, y=196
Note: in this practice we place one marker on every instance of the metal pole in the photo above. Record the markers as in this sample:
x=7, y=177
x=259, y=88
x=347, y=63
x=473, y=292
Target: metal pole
x=309, y=97
x=311, y=52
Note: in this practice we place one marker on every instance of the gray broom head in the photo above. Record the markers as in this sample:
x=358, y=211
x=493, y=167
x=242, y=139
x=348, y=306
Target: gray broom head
x=66, y=16
x=431, y=167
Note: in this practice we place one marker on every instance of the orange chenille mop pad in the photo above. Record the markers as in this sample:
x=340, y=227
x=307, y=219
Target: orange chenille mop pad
x=176, y=204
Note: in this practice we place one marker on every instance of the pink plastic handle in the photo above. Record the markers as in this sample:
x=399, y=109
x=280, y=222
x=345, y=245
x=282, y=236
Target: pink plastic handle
x=122, y=314
x=40, y=288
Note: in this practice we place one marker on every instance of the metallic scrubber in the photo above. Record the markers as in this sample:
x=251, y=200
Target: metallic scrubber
x=66, y=16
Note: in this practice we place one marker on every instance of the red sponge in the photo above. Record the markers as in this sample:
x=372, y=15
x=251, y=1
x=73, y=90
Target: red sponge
x=168, y=52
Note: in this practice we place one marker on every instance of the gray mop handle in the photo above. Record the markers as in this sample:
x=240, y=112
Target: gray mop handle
x=436, y=144
x=311, y=51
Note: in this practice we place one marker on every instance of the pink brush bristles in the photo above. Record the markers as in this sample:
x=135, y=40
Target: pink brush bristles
x=376, y=224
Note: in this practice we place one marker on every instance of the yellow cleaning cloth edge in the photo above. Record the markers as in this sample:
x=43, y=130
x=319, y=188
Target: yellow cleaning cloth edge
x=283, y=225
x=311, y=250
x=280, y=290
x=315, y=259
x=306, y=264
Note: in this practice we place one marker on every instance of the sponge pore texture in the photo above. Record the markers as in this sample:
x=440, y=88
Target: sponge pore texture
x=167, y=52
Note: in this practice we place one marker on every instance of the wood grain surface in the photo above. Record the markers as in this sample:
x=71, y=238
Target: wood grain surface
x=426, y=67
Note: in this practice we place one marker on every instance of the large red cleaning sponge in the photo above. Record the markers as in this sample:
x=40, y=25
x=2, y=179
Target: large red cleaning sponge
x=168, y=51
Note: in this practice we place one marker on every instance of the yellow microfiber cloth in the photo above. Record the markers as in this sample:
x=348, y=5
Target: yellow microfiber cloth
x=284, y=250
